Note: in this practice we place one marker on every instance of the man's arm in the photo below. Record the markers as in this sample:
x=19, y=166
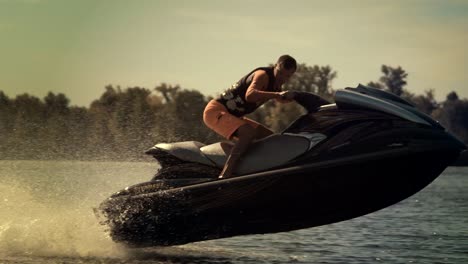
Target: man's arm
x=256, y=91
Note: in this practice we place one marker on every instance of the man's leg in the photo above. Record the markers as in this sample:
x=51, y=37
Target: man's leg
x=245, y=135
x=261, y=130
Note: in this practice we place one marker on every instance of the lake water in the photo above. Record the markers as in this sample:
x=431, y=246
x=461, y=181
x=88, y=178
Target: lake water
x=46, y=216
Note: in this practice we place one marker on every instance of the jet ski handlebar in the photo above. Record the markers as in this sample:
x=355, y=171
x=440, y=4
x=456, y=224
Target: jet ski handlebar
x=310, y=101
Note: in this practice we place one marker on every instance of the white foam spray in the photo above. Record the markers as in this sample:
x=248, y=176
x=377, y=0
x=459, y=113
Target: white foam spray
x=46, y=208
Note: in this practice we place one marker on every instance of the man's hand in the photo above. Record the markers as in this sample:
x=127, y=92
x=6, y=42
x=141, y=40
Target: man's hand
x=287, y=95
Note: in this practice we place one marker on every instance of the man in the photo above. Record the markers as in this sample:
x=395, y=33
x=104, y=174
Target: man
x=225, y=115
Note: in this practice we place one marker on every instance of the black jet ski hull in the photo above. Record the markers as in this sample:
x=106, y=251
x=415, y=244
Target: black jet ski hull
x=375, y=151
x=275, y=201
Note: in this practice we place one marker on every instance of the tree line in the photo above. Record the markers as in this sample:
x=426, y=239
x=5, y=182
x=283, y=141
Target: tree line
x=123, y=123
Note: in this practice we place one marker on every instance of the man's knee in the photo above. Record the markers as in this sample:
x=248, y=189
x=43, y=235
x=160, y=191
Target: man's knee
x=263, y=132
x=246, y=132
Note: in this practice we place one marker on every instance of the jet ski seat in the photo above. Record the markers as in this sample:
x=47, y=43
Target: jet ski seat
x=266, y=153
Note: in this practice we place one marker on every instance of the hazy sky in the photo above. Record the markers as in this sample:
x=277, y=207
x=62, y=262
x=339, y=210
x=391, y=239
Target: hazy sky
x=79, y=47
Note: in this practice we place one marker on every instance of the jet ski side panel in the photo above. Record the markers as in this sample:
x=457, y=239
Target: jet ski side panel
x=187, y=151
x=267, y=153
x=276, y=201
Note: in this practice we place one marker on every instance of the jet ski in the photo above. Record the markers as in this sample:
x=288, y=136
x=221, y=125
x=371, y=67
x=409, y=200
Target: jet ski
x=368, y=150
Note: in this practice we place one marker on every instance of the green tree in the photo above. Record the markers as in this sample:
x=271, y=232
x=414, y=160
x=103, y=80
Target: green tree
x=28, y=124
x=56, y=104
x=188, y=107
x=122, y=121
x=168, y=91
x=55, y=133
x=79, y=128
x=182, y=115
x=392, y=80
x=6, y=123
x=315, y=79
x=452, y=97
x=426, y=102
x=132, y=120
x=101, y=143
x=165, y=129
x=453, y=115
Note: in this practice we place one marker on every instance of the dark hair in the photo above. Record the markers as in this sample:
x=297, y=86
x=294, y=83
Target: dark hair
x=288, y=62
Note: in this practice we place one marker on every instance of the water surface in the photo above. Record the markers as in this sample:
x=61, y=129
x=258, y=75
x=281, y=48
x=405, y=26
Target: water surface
x=46, y=216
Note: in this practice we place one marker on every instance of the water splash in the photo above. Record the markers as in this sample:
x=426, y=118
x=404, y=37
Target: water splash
x=47, y=207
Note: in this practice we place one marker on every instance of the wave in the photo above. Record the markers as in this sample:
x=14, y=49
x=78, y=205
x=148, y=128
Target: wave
x=47, y=207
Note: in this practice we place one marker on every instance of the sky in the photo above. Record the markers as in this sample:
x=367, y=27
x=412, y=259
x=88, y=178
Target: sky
x=79, y=47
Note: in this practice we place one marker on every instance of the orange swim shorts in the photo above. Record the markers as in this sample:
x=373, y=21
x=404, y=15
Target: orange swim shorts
x=217, y=118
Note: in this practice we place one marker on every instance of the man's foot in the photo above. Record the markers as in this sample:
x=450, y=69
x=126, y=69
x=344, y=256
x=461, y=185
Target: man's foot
x=225, y=173
x=225, y=176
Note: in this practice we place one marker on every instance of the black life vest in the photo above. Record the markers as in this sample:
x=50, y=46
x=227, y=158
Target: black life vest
x=234, y=97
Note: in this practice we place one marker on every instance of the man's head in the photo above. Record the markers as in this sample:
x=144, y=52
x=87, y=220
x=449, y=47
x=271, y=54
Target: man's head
x=284, y=68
